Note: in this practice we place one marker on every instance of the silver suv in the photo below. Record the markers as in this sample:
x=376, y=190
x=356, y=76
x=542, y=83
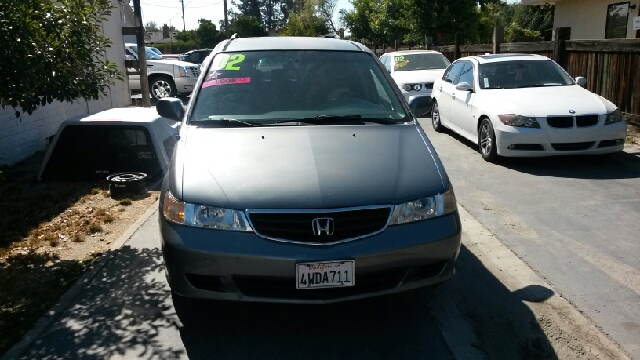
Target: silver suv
x=167, y=77
x=304, y=181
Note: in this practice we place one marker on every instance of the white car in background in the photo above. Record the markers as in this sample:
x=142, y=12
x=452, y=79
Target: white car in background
x=522, y=105
x=415, y=71
x=167, y=77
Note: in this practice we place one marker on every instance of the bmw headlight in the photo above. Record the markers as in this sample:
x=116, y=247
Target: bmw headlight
x=410, y=87
x=424, y=208
x=183, y=71
x=204, y=216
x=614, y=117
x=519, y=121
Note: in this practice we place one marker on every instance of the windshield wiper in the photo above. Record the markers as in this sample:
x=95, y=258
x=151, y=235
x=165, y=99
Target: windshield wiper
x=225, y=121
x=536, y=85
x=324, y=119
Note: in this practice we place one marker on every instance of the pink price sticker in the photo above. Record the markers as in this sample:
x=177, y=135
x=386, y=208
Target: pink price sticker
x=226, y=81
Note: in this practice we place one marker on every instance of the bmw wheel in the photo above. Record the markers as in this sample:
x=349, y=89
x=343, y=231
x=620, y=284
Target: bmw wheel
x=161, y=87
x=487, y=141
x=435, y=118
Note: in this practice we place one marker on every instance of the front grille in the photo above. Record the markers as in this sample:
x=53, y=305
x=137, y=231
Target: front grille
x=294, y=226
x=428, y=86
x=526, y=147
x=195, y=71
x=560, y=121
x=586, y=120
x=285, y=288
x=573, y=146
x=206, y=282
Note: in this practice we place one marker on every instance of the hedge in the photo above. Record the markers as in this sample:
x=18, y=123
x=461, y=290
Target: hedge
x=177, y=47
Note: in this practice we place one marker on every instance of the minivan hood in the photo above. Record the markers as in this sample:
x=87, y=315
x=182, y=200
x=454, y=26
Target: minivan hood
x=307, y=167
x=417, y=76
x=549, y=100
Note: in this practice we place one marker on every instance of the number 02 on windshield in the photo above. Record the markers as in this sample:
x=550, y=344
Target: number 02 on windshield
x=325, y=274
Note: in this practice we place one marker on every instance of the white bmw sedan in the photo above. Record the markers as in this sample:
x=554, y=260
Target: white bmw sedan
x=522, y=105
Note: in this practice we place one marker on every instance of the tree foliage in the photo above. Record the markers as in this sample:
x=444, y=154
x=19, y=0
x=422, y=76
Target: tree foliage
x=306, y=21
x=151, y=26
x=409, y=21
x=247, y=26
x=53, y=50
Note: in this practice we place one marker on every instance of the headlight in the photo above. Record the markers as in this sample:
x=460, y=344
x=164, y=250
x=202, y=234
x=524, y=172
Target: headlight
x=414, y=87
x=425, y=208
x=614, y=117
x=520, y=121
x=183, y=71
x=204, y=216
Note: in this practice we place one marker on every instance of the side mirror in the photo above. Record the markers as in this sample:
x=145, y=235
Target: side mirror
x=463, y=86
x=170, y=108
x=581, y=81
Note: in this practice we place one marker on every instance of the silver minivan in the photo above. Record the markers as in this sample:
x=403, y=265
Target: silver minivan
x=304, y=181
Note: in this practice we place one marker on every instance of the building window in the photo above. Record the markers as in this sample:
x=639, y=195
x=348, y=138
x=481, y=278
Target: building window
x=617, y=18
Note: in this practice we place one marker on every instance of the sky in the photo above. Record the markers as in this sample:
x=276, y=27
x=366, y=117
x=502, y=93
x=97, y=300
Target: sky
x=170, y=11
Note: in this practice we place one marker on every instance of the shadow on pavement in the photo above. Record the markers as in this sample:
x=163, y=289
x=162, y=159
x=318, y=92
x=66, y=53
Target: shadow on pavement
x=622, y=165
x=126, y=312
x=504, y=325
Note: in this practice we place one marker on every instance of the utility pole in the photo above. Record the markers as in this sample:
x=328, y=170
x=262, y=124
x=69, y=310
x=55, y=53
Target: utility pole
x=184, y=27
x=226, y=20
x=142, y=57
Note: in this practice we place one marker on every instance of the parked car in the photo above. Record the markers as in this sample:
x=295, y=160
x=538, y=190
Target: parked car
x=307, y=181
x=415, y=71
x=167, y=77
x=89, y=148
x=155, y=50
x=195, y=56
x=524, y=105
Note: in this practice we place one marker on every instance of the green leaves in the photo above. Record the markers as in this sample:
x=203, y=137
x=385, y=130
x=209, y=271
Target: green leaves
x=53, y=51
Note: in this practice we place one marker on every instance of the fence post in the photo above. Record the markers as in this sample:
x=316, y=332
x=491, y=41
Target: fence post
x=457, y=54
x=395, y=45
x=428, y=41
x=498, y=37
x=560, y=35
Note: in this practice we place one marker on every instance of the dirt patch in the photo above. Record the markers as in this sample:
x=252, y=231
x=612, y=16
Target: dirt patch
x=633, y=129
x=49, y=235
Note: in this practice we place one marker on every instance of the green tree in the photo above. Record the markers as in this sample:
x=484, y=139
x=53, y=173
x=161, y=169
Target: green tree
x=186, y=36
x=207, y=36
x=306, y=22
x=151, y=26
x=53, y=51
x=247, y=26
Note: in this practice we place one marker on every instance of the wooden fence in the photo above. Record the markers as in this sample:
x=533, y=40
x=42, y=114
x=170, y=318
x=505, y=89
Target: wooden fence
x=612, y=66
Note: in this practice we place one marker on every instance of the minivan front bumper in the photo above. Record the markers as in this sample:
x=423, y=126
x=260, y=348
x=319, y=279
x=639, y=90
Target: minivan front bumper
x=241, y=266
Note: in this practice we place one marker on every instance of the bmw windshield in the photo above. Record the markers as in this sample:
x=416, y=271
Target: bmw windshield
x=279, y=87
x=522, y=74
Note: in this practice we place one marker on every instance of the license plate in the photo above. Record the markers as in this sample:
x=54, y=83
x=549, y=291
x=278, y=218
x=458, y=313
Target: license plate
x=325, y=274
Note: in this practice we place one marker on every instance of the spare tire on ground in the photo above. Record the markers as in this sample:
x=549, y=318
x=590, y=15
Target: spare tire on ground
x=127, y=183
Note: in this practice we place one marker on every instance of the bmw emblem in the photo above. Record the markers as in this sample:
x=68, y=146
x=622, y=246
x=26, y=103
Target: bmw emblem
x=572, y=111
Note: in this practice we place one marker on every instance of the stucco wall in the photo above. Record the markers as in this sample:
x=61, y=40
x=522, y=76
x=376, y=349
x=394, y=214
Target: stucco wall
x=20, y=138
x=587, y=18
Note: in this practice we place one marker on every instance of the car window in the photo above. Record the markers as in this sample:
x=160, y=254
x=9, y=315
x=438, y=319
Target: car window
x=424, y=61
x=522, y=74
x=129, y=52
x=268, y=86
x=466, y=75
x=453, y=71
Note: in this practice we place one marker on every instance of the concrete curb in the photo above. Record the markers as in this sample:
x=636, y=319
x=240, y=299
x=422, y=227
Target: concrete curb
x=54, y=312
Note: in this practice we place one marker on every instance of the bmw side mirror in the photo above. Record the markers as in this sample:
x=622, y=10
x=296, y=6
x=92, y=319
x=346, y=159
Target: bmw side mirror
x=170, y=108
x=581, y=81
x=463, y=86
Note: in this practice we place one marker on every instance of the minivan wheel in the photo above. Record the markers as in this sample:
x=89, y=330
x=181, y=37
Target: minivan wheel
x=487, y=141
x=435, y=118
x=161, y=87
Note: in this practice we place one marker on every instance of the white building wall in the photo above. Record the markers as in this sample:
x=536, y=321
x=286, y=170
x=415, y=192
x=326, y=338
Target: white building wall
x=22, y=137
x=586, y=18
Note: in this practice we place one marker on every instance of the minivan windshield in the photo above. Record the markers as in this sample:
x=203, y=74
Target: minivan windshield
x=425, y=61
x=522, y=74
x=278, y=87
